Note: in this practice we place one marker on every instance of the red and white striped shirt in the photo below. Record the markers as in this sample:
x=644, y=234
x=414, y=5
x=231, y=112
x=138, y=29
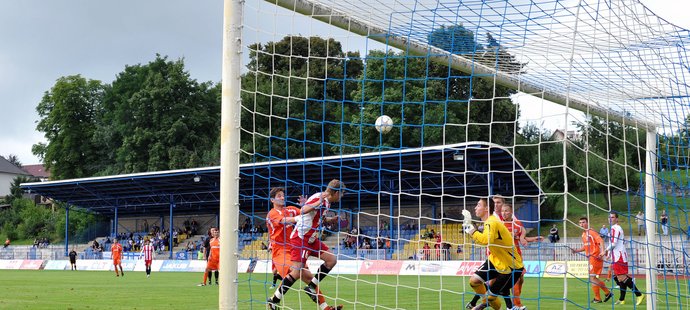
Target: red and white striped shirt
x=309, y=223
x=147, y=252
x=617, y=246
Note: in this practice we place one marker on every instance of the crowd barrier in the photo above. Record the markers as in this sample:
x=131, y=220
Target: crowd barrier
x=558, y=269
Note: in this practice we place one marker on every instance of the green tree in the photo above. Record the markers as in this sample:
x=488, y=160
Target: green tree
x=13, y=159
x=15, y=188
x=67, y=114
x=429, y=103
x=296, y=94
x=619, y=147
x=155, y=117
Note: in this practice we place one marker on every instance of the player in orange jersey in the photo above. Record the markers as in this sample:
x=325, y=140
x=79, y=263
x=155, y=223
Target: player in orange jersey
x=280, y=222
x=519, y=233
x=592, y=246
x=305, y=242
x=116, y=250
x=213, y=263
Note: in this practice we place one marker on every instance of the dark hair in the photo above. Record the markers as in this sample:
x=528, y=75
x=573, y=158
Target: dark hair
x=584, y=218
x=490, y=203
x=614, y=214
x=274, y=192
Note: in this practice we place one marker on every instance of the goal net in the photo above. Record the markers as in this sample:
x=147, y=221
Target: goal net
x=566, y=109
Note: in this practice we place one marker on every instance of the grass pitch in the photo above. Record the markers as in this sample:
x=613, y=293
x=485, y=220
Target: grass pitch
x=29, y=289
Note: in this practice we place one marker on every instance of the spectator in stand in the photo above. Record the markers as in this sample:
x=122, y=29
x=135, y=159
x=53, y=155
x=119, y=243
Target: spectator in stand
x=7, y=243
x=35, y=243
x=247, y=225
x=343, y=223
x=426, y=250
x=604, y=233
x=664, y=223
x=345, y=244
x=431, y=234
x=446, y=250
x=146, y=226
x=553, y=234
x=366, y=245
x=438, y=251
x=639, y=219
x=195, y=226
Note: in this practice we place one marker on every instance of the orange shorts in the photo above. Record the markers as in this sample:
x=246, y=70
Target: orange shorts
x=596, y=266
x=281, y=260
x=117, y=261
x=212, y=264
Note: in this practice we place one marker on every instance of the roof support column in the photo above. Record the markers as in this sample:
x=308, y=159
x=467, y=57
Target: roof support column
x=490, y=183
x=115, y=222
x=66, y=230
x=433, y=213
x=171, y=227
x=390, y=221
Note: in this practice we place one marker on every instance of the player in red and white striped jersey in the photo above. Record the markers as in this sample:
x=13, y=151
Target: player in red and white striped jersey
x=147, y=252
x=305, y=242
x=619, y=263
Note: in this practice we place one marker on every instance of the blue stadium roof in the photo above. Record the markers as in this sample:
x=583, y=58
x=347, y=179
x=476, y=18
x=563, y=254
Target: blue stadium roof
x=474, y=169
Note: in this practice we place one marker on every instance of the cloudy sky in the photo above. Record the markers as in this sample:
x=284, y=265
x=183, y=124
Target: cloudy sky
x=41, y=41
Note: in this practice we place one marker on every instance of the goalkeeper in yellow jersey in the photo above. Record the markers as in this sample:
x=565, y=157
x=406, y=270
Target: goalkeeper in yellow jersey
x=504, y=264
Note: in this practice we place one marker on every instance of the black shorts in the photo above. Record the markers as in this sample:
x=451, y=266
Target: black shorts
x=72, y=261
x=502, y=281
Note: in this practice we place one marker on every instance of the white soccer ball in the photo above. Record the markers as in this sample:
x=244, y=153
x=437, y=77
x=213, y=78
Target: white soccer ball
x=384, y=124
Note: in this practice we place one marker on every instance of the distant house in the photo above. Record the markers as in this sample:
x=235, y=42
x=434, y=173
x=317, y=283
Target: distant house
x=38, y=171
x=8, y=171
x=562, y=134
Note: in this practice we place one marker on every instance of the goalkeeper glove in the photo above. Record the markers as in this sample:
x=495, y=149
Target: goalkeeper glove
x=469, y=229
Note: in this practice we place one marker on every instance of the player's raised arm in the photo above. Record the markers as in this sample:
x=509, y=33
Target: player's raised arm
x=310, y=207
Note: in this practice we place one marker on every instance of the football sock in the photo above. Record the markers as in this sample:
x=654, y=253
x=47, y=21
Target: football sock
x=597, y=293
x=276, y=278
x=517, y=291
x=621, y=286
x=629, y=282
x=288, y=281
x=323, y=272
